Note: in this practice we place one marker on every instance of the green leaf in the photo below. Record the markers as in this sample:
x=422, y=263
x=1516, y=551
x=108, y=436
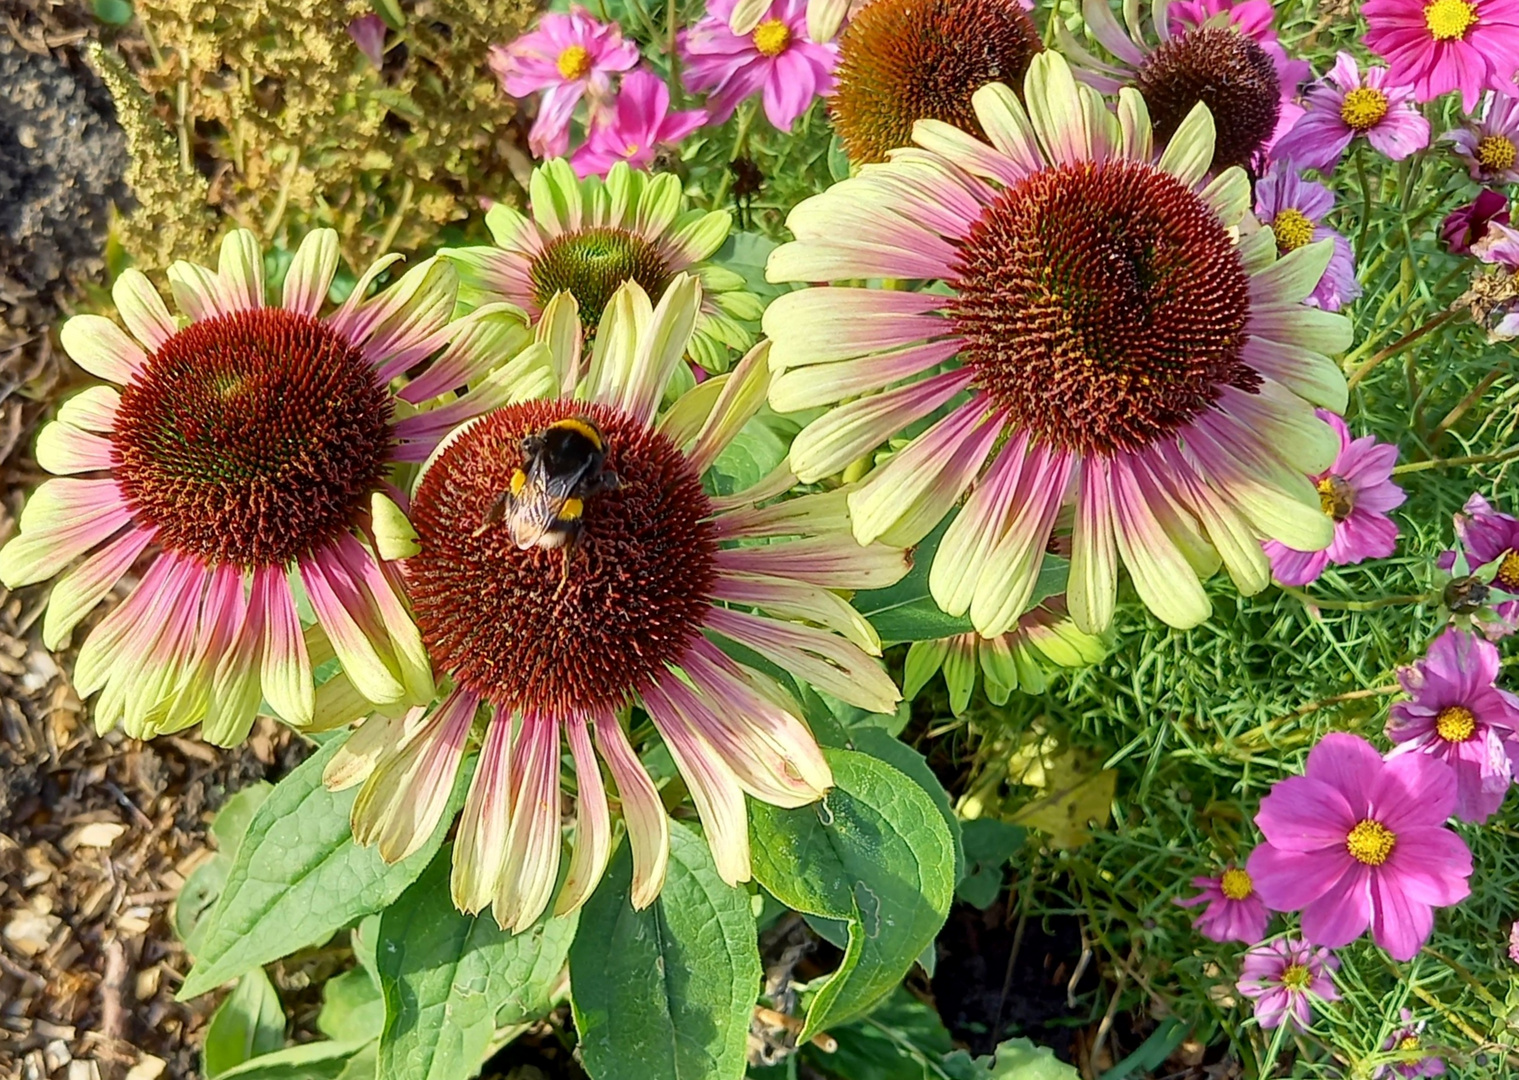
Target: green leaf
x=249, y=1023
x=746, y=253
x=199, y=893
x=353, y=1010
x=874, y=852
x=989, y=844
x=907, y=611
x=309, y=1061
x=666, y=992
x=113, y=12
x=754, y=453
x=901, y=1039
x=1020, y=1059
x=450, y=980
x=298, y=877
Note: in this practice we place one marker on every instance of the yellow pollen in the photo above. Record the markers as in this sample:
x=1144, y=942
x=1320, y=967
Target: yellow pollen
x=1497, y=153
x=1235, y=884
x=1449, y=20
x=1336, y=497
x=771, y=37
x=1408, y=1042
x=1456, y=723
x=1293, y=230
x=1296, y=977
x=1370, y=842
x=574, y=62
x=1507, y=576
x=1364, y=107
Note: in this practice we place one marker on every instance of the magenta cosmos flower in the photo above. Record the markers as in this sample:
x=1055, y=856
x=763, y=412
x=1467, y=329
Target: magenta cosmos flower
x=1487, y=536
x=1442, y=45
x=1171, y=405
x=568, y=57
x=1467, y=225
x=1457, y=713
x=1489, y=142
x=1234, y=911
x=1356, y=492
x=633, y=129
x=242, y=453
x=1295, y=210
x=1346, y=105
x=551, y=644
x=824, y=17
x=775, y=59
x=1408, y=1041
x=1285, y=977
x=1357, y=841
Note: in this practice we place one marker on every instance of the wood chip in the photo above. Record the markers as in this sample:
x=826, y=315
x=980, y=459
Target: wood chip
x=149, y=1068
x=99, y=834
x=29, y=933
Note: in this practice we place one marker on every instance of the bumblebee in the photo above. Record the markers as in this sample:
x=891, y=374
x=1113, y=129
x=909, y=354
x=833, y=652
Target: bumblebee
x=563, y=465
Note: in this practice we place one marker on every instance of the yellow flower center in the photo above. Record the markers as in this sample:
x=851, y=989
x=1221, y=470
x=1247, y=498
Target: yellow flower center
x=574, y=62
x=1497, y=153
x=1364, y=107
x=1408, y=1042
x=1507, y=576
x=1296, y=977
x=1293, y=230
x=1449, y=20
x=1370, y=842
x=1236, y=883
x=771, y=37
x=1456, y=723
x=1336, y=497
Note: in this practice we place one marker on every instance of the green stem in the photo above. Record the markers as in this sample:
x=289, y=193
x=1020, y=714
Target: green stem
x=1358, y=605
x=1441, y=463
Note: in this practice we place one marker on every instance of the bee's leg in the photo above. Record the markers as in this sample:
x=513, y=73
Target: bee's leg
x=566, y=552
x=493, y=513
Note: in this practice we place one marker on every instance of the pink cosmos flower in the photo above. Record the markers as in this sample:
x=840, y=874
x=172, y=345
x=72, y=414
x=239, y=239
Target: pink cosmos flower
x=1234, y=911
x=640, y=123
x=1468, y=224
x=1458, y=715
x=1357, y=841
x=1499, y=246
x=1346, y=104
x=1295, y=209
x=1356, y=492
x=1489, y=141
x=1284, y=976
x=1487, y=536
x=776, y=60
x=1443, y=45
x=1408, y=1039
x=1513, y=942
x=566, y=58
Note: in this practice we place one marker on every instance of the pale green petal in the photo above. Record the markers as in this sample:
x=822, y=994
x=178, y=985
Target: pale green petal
x=1189, y=154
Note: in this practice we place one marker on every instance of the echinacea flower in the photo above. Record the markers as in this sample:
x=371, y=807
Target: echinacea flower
x=1295, y=209
x=1215, y=63
x=1346, y=105
x=590, y=237
x=633, y=129
x=1357, y=841
x=1457, y=713
x=775, y=60
x=1487, y=536
x=1356, y=492
x=824, y=17
x=1285, y=977
x=566, y=58
x=1442, y=45
x=1489, y=141
x=1234, y=911
x=901, y=61
x=1109, y=308
x=557, y=642
x=1044, y=637
x=1467, y=225
x=243, y=452
x=1409, y=1040
x=1252, y=18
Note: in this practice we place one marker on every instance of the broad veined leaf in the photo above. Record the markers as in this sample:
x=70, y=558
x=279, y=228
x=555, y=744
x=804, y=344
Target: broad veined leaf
x=666, y=992
x=298, y=877
x=249, y=1023
x=451, y=979
x=876, y=853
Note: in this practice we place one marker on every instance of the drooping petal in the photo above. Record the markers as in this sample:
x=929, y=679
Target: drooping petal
x=644, y=814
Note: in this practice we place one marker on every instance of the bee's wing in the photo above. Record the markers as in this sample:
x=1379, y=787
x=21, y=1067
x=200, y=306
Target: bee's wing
x=534, y=510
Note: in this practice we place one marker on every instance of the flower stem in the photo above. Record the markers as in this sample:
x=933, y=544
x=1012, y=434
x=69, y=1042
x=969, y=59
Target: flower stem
x=1398, y=346
x=1357, y=605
